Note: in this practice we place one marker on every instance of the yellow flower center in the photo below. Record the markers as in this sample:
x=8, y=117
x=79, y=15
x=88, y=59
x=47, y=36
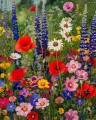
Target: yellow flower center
x=55, y=44
x=43, y=83
x=73, y=66
x=33, y=116
x=12, y=98
x=58, y=100
x=10, y=106
x=66, y=19
x=34, y=100
x=71, y=117
x=70, y=85
x=14, y=56
x=34, y=81
x=68, y=94
x=42, y=103
x=24, y=109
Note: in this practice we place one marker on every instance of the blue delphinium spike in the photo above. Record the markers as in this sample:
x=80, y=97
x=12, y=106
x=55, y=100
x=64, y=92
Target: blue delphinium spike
x=14, y=22
x=44, y=36
x=83, y=44
x=15, y=31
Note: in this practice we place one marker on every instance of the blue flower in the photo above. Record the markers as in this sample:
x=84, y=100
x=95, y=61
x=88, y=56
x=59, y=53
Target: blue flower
x=33, y=99
x=17, y=86
x=80, y=101
x=10, y=107
x=2, y=83
x=67, y=94
x=21, y=99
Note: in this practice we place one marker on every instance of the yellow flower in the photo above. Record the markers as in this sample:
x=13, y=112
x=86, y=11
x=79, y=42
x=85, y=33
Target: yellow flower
x=43, y=84
x=30, y=50
x=2, y=75
x=78, y=50
x=86, y=51
x=61, y=111
x=74, y=38
x=5, y=65
x=55, y=118
x=4, y=112
x=78, y=28
x=85, y=67
x=94, y=70
x=0, y=28
x=6, y=118
x=87, y=41
x=1, y=89
x=78, y=32
x=79, y=37
x=3, y=31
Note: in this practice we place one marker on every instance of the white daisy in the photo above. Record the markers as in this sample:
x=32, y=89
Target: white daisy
x=15, y=56
x=66, y=20
x=66, y=26
x=55, y=45
x=65, y=35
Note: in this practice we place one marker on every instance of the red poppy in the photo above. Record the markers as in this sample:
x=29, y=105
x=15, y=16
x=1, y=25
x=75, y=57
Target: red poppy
x=24, y=44
x=87, y=91
x=57, y=67
x=3, y=58
x=17, y=74
x=72, y=50
x=32, y=9
x=33, y=116
x=10, y=60
x=58, y=53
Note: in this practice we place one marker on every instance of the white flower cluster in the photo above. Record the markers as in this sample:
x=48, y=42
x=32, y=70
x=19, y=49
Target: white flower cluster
x=66, y=27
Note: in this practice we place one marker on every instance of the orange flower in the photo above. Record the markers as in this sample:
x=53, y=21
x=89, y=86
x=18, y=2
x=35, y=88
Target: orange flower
x=24, y=44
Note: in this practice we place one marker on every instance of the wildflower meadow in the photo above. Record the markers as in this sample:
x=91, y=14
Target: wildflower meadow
x=47, y=60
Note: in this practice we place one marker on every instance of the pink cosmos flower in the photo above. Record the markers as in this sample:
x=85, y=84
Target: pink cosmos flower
x=71, y=84
x=82, y=75
x=71, y=115
x=3, y=102
x=12, y=98
x=23, y=109
x=73, y=66
x=85, y=58
x=42, y=103
x=24, y=92
x=59, y=100
x=68, y=7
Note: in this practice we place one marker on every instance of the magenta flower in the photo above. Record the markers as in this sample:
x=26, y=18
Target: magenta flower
x=24, y=92
x=68, y=56
x=24, y=109
x=71, y=84
x=68, y=7
x=82, y=75
x=34, y=81
x=42, y=103
x=73, y=66
x=71, y=115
